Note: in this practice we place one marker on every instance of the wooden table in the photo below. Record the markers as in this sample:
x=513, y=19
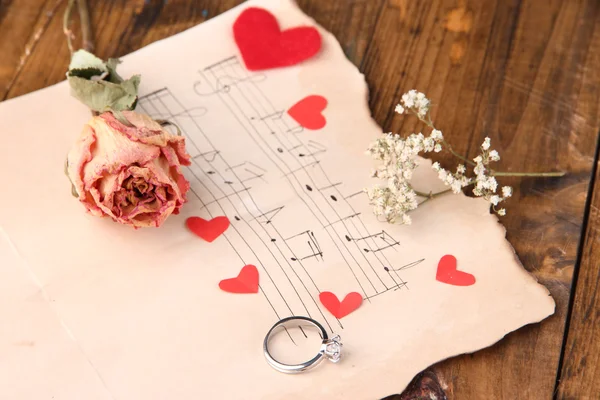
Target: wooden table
x=524, y=72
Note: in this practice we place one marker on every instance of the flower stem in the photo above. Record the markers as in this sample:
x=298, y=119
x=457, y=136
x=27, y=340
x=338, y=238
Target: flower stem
x=451, y=150
x=431, y=195
x=66, y=22
x=429, y=123
x=533, y=174
x=86, y=26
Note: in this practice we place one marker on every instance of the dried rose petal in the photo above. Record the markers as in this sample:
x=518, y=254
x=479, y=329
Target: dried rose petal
x=131, y=174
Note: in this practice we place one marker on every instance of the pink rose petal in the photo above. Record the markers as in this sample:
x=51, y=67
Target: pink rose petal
x=131, y=174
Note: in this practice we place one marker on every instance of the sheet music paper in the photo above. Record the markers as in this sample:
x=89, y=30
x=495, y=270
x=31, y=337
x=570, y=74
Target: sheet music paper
x=94, y=310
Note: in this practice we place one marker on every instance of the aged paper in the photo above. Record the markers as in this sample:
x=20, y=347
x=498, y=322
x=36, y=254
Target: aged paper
x=94, y=310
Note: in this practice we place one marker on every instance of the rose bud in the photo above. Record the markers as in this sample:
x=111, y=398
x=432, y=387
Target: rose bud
x=129, y=173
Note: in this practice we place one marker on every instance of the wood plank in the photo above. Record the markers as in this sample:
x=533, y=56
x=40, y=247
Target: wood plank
x=122, y=26
x=524, y=73
x=580, y=371
x=22, y=22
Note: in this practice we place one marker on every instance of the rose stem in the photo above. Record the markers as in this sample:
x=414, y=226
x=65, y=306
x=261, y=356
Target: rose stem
x=67, y=31
x=86, y=26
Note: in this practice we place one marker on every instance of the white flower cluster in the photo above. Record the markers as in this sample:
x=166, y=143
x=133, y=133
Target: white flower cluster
x=486, y=185
x=456, y=180
x=397, y=198
x=415, y=101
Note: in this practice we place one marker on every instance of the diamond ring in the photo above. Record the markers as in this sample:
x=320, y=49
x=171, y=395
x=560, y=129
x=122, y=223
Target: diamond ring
x=331, y=348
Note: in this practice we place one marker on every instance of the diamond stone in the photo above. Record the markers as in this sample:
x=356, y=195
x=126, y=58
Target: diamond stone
x=333, y=349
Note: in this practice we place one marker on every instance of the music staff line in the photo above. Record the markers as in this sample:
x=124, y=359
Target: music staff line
x=207, y=189
x=258, y=102
x=272, y=124
x=240, y=110
x=352, y=221
x=301, y=166
x=286, y=175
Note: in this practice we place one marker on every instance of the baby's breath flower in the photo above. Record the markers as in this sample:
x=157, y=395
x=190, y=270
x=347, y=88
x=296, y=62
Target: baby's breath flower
x=428, y=144
x=456, y=186
x=442, y=174
x=417, y=102
x=395, y=197
x=486, y=144
x=492, y=184
x=437, y=135
x=479, y=169
x=408, y=99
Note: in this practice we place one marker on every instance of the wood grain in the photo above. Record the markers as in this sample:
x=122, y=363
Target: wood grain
x=580, y=373
x=35, y=54
x=524, y=72
x=507, y=70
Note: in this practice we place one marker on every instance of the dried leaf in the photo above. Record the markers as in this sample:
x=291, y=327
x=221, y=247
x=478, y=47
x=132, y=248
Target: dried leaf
x=103, y=95
x=86, y=65
x=111, y=65
x=98, y=85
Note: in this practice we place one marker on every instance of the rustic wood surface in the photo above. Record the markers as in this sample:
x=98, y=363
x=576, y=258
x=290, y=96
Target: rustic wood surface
x=524, y=72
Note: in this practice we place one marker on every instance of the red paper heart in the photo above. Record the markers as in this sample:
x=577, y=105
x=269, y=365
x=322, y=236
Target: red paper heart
x=339, y=310
x=245, y=282
x=447, y=273
x=263, y=45
x=307, y=112
x=208, y=230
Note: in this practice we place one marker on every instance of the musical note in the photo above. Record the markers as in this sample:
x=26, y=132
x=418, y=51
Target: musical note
x=208, y=156
x=225, y=82
x=247, y=171
x=312, y=164
x=269, y=215
x=275, y=115
x=269, y=134
x=318, y=148
x=383, y=235
x=313, y=244
x=342, y=219
x=410, y=265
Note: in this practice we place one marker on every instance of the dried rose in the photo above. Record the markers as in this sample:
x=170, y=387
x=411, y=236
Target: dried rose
x=129, y=173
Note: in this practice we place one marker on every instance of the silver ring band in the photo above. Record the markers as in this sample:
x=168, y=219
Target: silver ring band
x=330, y=348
